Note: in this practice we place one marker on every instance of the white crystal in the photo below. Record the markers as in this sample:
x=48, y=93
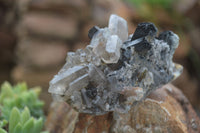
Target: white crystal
x=77, y=100
x=118, y=26
x=86, y=99
x=59, y=83
x=77, y=84
x=98, y=77
x=112, y=50
x=100, y=37
x=107, y=46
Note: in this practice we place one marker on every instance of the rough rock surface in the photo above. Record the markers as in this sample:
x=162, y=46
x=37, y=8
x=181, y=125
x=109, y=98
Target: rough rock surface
x=58, y=121
x=115, y=71
x=166, y=110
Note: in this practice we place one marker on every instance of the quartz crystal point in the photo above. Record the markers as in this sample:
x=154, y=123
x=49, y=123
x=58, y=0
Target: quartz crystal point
x=115, y=72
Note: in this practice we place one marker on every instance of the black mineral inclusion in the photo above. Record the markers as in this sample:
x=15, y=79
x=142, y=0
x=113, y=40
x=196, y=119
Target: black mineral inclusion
x=92, y=31
x=143, y=30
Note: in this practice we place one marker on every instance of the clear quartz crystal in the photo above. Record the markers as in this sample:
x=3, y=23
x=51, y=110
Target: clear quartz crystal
x=107, y=46
x=116, y=71
x=112, y=50
x=118, y=26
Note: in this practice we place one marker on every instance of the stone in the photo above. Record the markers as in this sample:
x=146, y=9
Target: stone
x=59, y=3
x=97, y=80
x=48, y=26
x=7, y=48
x=164, y=110
x=40, y=54
x=62, y=119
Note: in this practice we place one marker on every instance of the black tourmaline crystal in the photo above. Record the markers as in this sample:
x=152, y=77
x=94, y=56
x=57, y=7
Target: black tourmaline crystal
x=166, y=36
x=143, y=30
x=142, y=46
x=92, y=31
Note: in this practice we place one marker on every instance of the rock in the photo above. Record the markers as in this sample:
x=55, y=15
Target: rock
x=59, y=3
x=50, y=26
x=110, y=65
x=164, y=110
x=61, y=119
x=7, y=46
x=40, y=54
x=92, y=124
x=4, y=74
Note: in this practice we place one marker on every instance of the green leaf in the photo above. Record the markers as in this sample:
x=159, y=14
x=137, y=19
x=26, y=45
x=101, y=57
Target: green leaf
x=22, y=87
x=37, y=90
x=28, y=126
x=38, y=124
x=19, y=96
x=2, y=130
x=6, y=91
x=14, y=119
x=18, y=128
x=19, y=88
x=3, y=123
x=25, y=115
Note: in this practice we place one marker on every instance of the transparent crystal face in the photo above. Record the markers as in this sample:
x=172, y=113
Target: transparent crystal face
x=115, y=71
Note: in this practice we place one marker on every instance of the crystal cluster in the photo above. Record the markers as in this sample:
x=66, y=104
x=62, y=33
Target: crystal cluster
x=116, y=70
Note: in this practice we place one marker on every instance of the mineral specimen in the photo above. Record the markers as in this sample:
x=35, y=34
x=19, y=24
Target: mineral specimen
x=116, y=71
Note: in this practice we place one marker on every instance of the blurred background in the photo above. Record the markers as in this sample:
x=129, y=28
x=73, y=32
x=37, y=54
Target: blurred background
x=35, y=36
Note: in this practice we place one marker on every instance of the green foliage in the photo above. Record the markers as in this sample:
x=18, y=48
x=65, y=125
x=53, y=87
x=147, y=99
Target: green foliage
x=21, y=110
x=19, y=96
x=23, y=122
x=156, y=10
x=154, y=3
x=2, y=130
